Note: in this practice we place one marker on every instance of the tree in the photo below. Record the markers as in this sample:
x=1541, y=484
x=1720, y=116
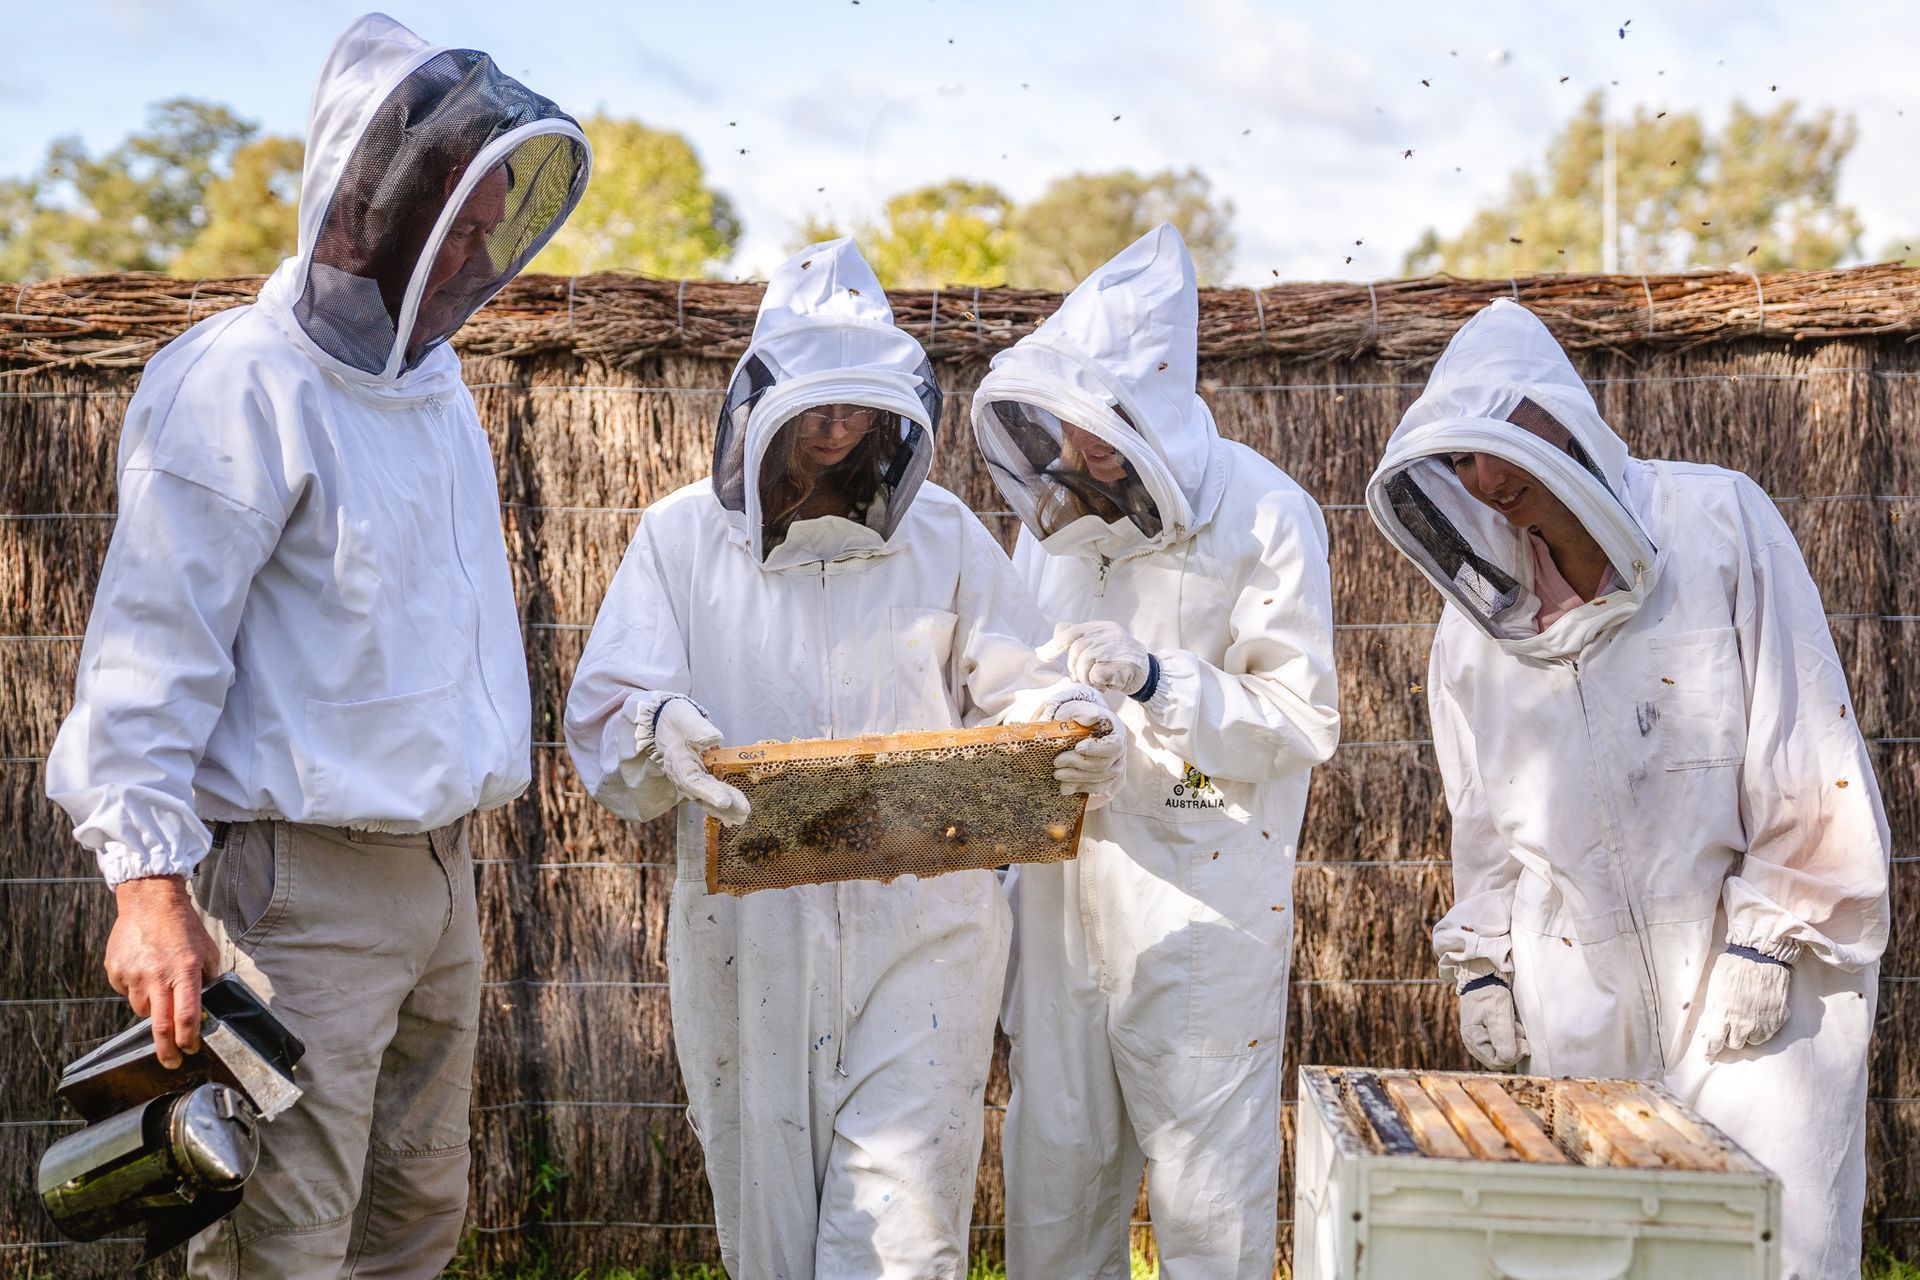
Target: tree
x=813, y=229
x=1081, y=220
x=33, y=238
x=131, y=209
x=1763, y=191
x=952, y=233
x=648, y=208
x=1902, y=251
x=252, y=214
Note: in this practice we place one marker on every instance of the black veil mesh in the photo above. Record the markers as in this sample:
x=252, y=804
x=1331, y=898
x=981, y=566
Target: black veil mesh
x=880, y=477
x=1484, y=584
x=405, y=167
x=1028, y=453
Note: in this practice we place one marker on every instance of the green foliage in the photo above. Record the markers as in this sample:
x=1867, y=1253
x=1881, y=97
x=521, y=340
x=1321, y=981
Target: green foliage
x=1880, y=1264
x=252, y=214
x=131, y=209
x=961, y=232
x=463, y=1269
x=1083, y=219
x=813, y=229
x=194, y=193
x=1763, y=192
x=952, y=233
x=648, y=208
x=543, y=1185
x=1905, y=251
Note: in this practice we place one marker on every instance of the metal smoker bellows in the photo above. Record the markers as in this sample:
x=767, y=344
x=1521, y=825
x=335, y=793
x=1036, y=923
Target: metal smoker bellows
x=166, y=1151
x=896, y=804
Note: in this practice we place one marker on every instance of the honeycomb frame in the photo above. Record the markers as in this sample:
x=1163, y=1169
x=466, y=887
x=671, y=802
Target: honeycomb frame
x=880, y=806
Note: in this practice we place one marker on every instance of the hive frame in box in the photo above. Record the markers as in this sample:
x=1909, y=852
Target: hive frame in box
x=1015, y=763
x=1372, y=1203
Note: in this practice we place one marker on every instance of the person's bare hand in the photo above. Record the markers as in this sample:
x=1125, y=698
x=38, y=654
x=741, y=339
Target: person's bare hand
x=158, y=956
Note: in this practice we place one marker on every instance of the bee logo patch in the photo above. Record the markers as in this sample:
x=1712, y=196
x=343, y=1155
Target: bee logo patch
x=1195, y=790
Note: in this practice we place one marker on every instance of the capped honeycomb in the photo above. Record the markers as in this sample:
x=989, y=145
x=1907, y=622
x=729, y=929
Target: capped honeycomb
x=889, y=805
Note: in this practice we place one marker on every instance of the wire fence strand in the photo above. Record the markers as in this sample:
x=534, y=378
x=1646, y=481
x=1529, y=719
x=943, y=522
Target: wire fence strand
x=1329, y=866
x=1410, y=386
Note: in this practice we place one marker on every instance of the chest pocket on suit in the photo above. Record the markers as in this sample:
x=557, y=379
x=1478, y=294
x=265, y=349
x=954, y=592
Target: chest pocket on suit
x=1699, y=699
x=922, y=653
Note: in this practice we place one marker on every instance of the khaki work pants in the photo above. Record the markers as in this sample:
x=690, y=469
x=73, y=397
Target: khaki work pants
x=368, y=947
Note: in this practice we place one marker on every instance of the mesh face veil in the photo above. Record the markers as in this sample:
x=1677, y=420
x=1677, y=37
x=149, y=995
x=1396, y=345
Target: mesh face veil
x=1057, y=474
x=1483, y=560
x=459, y=177
x=793, y=446
x=1506, y=404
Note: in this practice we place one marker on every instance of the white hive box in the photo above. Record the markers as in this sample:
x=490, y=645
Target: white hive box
x=1400, y=1175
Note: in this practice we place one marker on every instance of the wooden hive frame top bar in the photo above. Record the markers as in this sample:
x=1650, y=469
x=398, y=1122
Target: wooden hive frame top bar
x=1526, y=1119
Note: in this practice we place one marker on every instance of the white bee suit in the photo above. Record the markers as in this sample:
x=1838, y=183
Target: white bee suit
x=834, y=1039
x=305, y=613
x=1147, y=995
x=305, y=638
x=1666, y=771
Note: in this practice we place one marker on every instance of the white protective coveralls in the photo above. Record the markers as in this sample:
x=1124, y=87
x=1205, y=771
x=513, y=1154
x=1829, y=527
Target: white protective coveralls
x=834, y=1038
x=1668, y=770
x=305, y=632
x=305, y=612
x=1147, y=994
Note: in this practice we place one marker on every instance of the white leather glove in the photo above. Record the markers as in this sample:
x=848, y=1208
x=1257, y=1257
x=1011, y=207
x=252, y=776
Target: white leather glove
x=1101, y=654
x=1746, y=1000
x=1489, y=1023
x=675, y=739
x=1092, y=765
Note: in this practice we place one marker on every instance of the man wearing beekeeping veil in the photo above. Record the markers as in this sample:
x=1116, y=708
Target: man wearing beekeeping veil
x=303, y=671
x=1669, y=854
x=834, y=1038
x=1187, y=576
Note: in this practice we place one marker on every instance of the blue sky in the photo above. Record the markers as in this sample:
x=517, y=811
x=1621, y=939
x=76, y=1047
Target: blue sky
x=1299, y=113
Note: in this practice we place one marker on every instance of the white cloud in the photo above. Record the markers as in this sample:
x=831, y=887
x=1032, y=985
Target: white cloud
x=851, y=99
x=673, y=74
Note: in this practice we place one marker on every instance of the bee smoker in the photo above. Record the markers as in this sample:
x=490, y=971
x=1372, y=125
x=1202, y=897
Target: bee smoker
x=165, y=1152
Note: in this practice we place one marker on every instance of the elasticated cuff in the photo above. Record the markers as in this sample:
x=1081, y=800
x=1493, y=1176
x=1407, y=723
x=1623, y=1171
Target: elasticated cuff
x=1050, y=709
x=643, y=713
x=1175, y=694
x=1145, y=692
x=1469, y=971
x=120, y=863
x=1781, y=951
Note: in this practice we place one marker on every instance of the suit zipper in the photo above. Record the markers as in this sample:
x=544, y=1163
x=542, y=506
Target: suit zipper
x=1619, y=871
x=839, y=915
x=1089, y=902
x=473, y=591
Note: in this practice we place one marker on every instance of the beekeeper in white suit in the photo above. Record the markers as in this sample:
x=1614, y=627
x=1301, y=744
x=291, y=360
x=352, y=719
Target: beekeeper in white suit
x=304, y=670
x=1147, y=996
x=1670, y=859
x=834, y=1038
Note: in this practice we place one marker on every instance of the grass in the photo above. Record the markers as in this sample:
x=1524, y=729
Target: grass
x=1142, y=1270
x=1882, y=1265
x=462, y=1269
